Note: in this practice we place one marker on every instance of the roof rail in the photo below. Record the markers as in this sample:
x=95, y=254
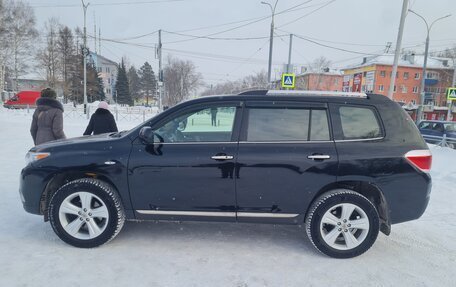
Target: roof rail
x=315, y=93
x=254, y=92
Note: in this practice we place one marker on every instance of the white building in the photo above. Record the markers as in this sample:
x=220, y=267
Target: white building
x=107, y=70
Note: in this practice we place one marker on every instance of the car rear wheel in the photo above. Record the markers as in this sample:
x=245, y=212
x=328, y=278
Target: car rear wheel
x=342, y=223
x=86, y=213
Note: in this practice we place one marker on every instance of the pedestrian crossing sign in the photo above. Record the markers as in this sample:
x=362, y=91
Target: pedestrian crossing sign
x=288, y=80
x=451, y=94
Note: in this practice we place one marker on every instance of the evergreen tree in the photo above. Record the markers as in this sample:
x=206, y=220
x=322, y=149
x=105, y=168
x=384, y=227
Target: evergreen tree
x=95, y=90
x=68, y=58
x=135, y=85
x=148, y=81
x=122, y=86
x=95, y=84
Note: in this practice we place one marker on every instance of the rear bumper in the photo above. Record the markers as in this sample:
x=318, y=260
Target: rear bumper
x=410, y=200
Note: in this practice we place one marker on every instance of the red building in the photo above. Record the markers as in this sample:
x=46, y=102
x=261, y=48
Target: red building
x=374, y=75
x=330, y=80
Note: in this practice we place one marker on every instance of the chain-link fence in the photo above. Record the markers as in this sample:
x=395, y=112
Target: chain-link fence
x=134, y=114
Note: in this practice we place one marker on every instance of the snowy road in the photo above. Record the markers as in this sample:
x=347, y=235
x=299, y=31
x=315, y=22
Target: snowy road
x=418, y=253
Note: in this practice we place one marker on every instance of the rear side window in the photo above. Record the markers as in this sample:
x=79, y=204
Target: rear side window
x=282, y=124
x=359, y=123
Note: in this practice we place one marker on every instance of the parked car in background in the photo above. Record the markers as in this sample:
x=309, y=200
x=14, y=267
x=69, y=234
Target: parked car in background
x=23, y=100
x=344, y=165
x=434, y=131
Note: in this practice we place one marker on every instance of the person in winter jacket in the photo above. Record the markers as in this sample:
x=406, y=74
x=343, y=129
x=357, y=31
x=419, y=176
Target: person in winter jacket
x=102, y=121
x=47, y=122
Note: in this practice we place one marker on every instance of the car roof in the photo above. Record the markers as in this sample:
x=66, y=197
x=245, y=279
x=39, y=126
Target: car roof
x=284, y=95
x=436, y=121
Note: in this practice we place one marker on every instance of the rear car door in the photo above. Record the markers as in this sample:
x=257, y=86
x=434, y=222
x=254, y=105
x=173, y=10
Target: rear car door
x=286, y=155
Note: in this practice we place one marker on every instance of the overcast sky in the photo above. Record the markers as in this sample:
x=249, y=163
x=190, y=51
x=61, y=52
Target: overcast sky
x=356, y=25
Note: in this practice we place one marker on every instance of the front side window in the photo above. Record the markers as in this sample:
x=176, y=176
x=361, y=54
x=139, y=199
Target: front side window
x=213, y=124
x=426, y=126
x=359, y=123
x=282, y=124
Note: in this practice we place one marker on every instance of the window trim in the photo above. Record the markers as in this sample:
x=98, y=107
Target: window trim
x=285, y=105
x=337, y=123
x=201, y=106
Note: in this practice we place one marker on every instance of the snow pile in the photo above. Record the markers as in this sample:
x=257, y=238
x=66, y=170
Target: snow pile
x=418, y=253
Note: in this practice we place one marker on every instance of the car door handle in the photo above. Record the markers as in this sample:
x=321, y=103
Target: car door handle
x=318, y=156
x=222, y=157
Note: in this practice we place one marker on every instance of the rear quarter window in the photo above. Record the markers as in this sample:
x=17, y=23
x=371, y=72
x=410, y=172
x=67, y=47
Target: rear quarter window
x=359, y=123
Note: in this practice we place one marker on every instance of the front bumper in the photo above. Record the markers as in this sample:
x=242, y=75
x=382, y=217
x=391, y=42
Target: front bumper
x=32, y=184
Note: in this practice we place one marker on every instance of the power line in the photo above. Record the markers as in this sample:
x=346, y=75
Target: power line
x=313, y=11
x=216, y=38
x=291, y=9
x=104, y=4
x=341, y=43
x=243, y=25
x=296, y=51
x=332, y=47
x=249, y=58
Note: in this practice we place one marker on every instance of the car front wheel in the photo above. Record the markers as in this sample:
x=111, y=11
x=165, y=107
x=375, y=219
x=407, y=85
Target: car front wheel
x=342, y=223
x=86, y=213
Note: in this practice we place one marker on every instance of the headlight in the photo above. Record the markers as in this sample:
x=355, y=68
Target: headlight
x=31, y=157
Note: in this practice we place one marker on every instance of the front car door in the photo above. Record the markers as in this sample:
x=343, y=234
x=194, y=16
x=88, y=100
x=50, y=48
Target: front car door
x=188, y=171
x=286, y=155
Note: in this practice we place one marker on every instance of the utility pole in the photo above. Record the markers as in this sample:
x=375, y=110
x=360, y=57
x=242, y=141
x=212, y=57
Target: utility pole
x=95, y=32
x=426, y=50
x=99, y=40
x=453, y=84
x=160, y=73
x=2, y=78
x=289, y=70
x=84, y=54
x=398, y=48
x=271, y=37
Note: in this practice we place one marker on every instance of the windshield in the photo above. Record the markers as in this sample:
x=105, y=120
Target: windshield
x=450, y=127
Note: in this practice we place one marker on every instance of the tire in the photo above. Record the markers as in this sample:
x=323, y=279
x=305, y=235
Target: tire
x=331, y=235
x=86, y=213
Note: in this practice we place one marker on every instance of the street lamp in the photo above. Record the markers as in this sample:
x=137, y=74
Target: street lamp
x=271, y=36
x=84, y=54
x=426, y=50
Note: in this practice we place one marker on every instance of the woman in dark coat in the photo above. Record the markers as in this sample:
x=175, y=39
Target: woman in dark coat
x=102, y=121
x=47, y=123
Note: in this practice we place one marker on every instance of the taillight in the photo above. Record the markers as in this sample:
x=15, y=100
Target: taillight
x=422, y=159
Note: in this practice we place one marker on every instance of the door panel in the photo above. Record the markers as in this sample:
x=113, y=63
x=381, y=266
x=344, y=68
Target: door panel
x=188, y=171
x=285, y=156
x=280, y=178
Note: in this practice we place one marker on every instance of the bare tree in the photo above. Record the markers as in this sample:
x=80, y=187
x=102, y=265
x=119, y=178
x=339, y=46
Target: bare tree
x=255, y=81
x=180, y=79
x=19, y=23
x=4, y=46
x=48, y=56
x=318, y=65
x=68, y=59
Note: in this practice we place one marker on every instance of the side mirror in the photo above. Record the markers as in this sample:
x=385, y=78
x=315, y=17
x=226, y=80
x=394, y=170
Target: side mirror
x=146, y=134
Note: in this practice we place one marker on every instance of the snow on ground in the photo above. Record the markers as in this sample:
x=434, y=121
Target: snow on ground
x=417, y=253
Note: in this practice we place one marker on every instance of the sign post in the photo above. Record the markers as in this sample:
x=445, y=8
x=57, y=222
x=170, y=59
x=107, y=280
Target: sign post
x=451, y=96
x=288, y=81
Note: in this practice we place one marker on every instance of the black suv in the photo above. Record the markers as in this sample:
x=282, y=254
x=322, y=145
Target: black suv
x=345, y=165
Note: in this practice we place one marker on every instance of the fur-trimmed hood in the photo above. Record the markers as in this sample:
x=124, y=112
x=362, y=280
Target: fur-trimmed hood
x=47, y=103
x=101, y=111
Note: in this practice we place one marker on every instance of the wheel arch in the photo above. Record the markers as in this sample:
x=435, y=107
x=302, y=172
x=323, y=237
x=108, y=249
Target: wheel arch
x=368, y=190
x=60, y=179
